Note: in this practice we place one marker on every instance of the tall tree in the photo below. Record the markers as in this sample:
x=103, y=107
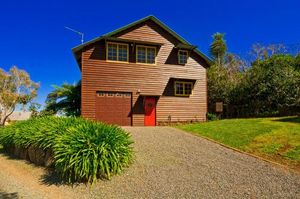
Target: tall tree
x=218, y=48
x=65, y=99
x=225, y=74
x=16, y=88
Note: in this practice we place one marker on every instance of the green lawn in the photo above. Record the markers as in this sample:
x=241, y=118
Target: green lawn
x=273, y=138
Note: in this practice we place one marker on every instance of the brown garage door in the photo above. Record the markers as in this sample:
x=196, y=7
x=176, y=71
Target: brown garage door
x=114, y=108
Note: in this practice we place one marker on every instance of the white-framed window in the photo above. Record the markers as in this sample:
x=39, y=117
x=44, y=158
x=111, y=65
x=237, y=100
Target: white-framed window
x=183, y=56
x=182, y=88
x=145, y=54
x=117, y=52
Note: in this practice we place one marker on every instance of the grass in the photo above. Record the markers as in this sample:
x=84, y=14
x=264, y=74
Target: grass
x=277, y=139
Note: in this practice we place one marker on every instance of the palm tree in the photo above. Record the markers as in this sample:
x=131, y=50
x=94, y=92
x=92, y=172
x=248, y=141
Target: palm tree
x=65, y=99
x=218, y=48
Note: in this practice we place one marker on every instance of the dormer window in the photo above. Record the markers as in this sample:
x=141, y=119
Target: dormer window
x=145, y=54
x=182, y=56
x=117, y=52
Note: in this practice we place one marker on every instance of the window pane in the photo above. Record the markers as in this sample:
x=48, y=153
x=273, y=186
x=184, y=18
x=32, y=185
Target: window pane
x=188, y=89
x=119, y=95
x=182, y=57
x=141, y=54
x=150, y=55
x=179, y=88
x=101, y=94
x=112, y=52
x=123, y=53
x=127, y=95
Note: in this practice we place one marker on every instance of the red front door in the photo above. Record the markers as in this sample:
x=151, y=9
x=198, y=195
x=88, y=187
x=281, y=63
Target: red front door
x=150, y=111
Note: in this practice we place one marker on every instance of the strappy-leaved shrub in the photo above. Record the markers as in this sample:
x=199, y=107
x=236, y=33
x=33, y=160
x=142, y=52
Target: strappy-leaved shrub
x=83, y=150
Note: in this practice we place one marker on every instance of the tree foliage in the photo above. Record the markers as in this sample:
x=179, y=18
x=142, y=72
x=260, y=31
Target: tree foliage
x=270, y=85
x=224, y=74
x=218, y=48
x=297, y=62
x=16, y=88
x=65, y=99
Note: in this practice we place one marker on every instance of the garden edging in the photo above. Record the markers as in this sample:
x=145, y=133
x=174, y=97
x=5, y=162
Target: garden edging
x=32, y=154
x=246, y=153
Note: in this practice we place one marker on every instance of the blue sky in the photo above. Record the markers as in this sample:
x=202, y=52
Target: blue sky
x=33, y=36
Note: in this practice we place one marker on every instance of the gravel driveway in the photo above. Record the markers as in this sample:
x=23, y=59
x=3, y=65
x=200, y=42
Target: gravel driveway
x=169, y=164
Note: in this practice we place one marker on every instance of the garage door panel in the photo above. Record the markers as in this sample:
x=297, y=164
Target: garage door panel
x=114, y=108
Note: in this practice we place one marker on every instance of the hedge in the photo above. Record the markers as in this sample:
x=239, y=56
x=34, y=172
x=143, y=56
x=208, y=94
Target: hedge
x=83, y=150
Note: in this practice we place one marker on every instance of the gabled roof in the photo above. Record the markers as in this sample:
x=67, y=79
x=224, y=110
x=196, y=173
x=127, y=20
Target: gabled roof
x=150, y=17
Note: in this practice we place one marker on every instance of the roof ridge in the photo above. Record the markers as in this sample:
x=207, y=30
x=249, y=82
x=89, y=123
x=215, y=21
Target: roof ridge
x=128, y=25
x=149, y=17
x=156, y=20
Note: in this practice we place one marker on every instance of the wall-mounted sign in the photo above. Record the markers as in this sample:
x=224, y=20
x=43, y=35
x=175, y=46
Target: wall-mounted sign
x=219, y=107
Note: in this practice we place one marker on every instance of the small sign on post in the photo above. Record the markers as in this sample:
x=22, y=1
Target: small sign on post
x=219, y=107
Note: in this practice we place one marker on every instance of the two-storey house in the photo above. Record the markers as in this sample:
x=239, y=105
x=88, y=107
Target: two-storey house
x=143, y=74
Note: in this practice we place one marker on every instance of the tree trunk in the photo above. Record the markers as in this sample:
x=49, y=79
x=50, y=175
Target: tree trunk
x=2, y=123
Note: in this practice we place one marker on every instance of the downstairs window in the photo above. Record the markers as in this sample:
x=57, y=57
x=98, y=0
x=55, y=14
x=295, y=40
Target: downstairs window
x=183, y=88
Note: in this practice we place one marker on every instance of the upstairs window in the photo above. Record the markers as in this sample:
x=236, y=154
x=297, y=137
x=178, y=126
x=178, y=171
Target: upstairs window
x=145, y=54
x=117, y=52
x=183, y=88
x=182, y=56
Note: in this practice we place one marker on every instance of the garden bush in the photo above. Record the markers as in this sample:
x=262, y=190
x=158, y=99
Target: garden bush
x=211, y=117
x=82, y=149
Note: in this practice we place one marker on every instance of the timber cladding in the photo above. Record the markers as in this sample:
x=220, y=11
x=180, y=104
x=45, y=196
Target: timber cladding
x=142, y=80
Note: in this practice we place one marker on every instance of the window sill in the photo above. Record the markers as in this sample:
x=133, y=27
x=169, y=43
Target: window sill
x=145, y=64
x=123, y=62
x=176, y=95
